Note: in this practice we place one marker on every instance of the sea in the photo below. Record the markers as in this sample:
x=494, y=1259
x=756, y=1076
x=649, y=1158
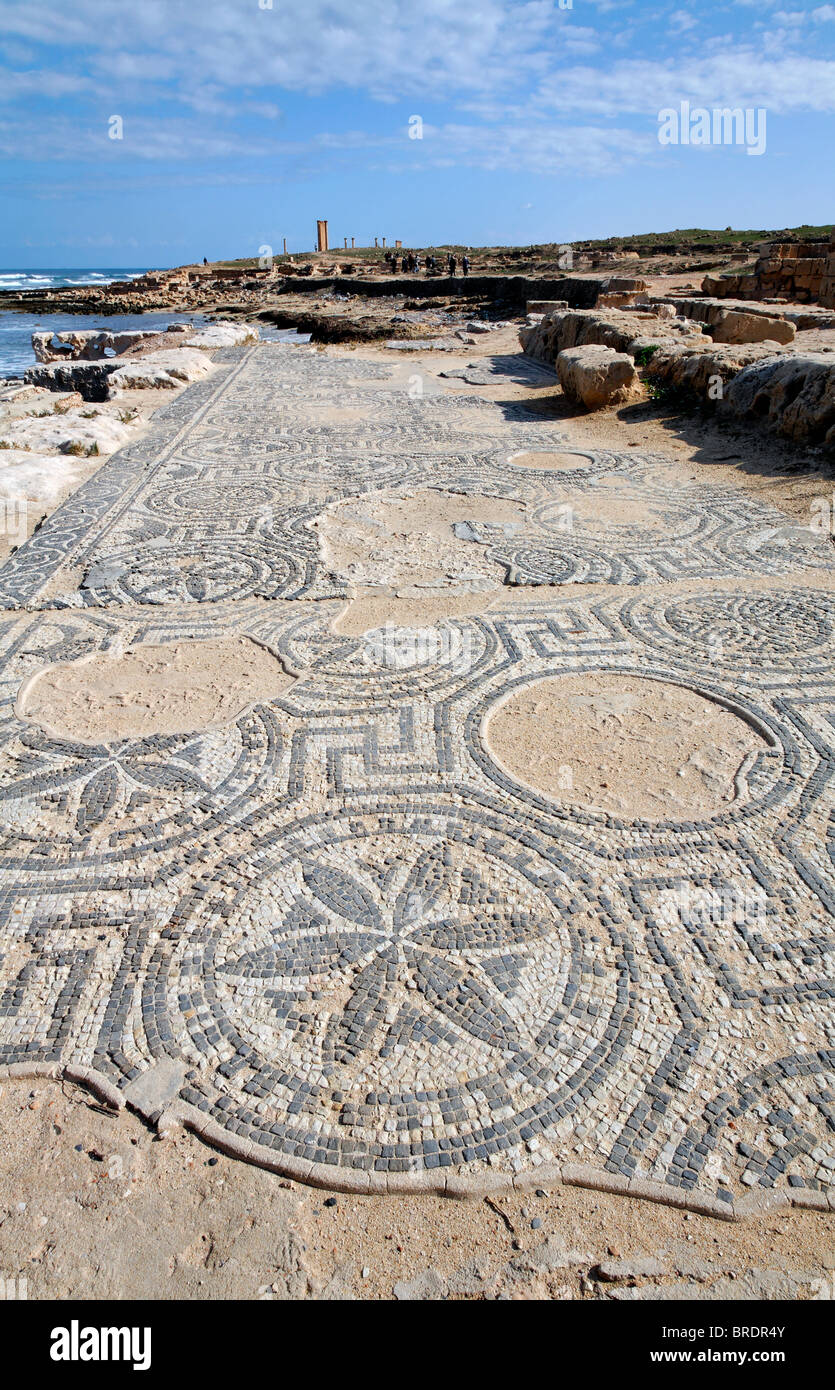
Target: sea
x=16, y=329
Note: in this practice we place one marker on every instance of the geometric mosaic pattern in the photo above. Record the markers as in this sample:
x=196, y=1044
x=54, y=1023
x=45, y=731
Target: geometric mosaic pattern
x=351, y=941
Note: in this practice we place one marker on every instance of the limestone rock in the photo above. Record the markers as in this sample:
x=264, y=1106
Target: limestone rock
x=219, y=335
x=613, y=328
x=429, y=1284
x=37, y=478
x=165, y=369
x=707, y=310
x=551, y=1255
x=640, y=1267
x=546, y=306
x=89, y=379
x=791, y=393
x=596, y=376
x=474, y=1278
x=70, y=433
x=794, y=394
x=693, y=367
x=731, y=326
x=88, y=344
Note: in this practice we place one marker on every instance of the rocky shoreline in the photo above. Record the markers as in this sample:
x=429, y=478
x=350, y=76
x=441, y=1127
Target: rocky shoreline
x=670, y=338
x=77, y=406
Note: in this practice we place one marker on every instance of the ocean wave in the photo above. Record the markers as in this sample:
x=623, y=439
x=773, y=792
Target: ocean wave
x=62, y=279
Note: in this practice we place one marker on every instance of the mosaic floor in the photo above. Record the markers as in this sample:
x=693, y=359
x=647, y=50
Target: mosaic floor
x=338, y=934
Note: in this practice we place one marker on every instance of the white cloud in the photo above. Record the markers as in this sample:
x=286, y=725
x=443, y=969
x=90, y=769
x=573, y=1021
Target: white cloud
x=523, y=86
x=15, y=86
x=535, y=148
x=388, y=47
x=726, y=78
x=681, y=20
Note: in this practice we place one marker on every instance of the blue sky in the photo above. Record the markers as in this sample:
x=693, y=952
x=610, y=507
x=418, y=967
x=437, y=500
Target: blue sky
x=244, y=121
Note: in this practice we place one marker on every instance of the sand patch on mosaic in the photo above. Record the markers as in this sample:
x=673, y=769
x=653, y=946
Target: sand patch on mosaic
x=422, y=542
x=622, y=744
x=171, y=688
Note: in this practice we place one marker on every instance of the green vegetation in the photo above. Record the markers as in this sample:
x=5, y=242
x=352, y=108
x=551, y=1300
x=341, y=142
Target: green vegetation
x=696, y=236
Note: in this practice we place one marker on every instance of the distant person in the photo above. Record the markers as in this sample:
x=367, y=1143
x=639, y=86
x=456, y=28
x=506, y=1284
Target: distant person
x=417, y=263
x=205, y=262
x=453, y=264
x=465, y=265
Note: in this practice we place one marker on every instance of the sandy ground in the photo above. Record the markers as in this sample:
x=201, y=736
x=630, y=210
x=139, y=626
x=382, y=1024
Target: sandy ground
x=170, y=689
x=94, y=1206
x=634, y=747
x=789, y=477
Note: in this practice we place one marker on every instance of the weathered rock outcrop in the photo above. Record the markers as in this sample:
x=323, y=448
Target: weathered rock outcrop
x=794, y=395
x=596, y=376
x=623, y=332
x=159, y=369
x=89, y=379
x=709, y=311
x=87, y=345
x=103, y=381
x=220, y=335
x=791, y=393
x=731, y=326
x=68, y=433
x=693, y=369
x=25, y=476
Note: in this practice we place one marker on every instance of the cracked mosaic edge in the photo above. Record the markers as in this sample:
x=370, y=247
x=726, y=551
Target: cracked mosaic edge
x=181, y=1115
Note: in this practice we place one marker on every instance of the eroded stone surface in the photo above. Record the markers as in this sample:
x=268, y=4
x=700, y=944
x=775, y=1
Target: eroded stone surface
x=639, y=748
x=426, y=540
x=177, y=688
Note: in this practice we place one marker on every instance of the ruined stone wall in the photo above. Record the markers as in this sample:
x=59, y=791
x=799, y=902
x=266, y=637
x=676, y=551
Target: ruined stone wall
x=802, y=272
x=827, y=295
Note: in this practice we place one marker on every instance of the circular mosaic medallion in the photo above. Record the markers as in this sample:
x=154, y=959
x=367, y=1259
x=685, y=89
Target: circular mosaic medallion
x=64, y=803
x=387, y=658
x=629, y=745
x=769, y=628
x=392, y=988
x=198, y=500
x=205, y=572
